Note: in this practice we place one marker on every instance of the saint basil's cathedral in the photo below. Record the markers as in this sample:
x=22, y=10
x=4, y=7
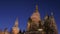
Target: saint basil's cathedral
x=35, y=25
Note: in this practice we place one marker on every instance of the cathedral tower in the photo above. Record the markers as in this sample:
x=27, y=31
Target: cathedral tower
x=15, y=29
x=34, y=25
x=53, y=24
x=34, y=19
x=50, y=25
x=36, y=15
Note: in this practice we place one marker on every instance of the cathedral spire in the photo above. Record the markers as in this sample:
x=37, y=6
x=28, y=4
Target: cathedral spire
x=16, y=23
x=36, y=15
x=35, y=18
x=15, y=28
x=36, y=8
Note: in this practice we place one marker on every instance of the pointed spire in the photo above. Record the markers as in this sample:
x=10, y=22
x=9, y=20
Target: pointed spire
x=36, y=8
x=16, y=22
x=15, y=28
x=36, y=15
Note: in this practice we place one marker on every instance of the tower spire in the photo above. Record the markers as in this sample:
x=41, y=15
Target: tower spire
x=36, y=16
x=16, y=22
x=36, y=8
x=15, y=28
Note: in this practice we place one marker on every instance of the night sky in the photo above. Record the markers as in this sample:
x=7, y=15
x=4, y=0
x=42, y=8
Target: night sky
x=23, y=9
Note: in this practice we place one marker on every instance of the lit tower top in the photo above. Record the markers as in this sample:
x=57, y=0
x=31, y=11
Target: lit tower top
x=15, y=28
x=36, y=16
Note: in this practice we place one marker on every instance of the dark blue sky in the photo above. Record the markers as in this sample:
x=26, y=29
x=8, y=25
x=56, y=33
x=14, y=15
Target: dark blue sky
x=10, y=9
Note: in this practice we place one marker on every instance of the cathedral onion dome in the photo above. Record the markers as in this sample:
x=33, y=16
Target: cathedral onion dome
x=15, y=29
x=36, y=16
